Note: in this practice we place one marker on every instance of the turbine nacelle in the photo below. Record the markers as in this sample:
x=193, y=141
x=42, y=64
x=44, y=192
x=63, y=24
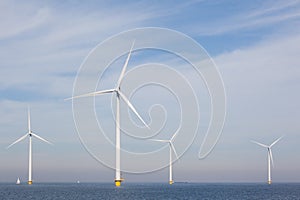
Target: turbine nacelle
x=269, y=148
x=119, y=95
x=170, y=142
x=117, y=90
x=30, y=134
x=172, y=148
x=270, y=156
x=171, y=145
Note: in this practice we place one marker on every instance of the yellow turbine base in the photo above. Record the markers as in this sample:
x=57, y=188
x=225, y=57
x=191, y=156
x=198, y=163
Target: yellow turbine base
x=269, y=182
x=29, y=182
x=118, y=183
x=171, y=182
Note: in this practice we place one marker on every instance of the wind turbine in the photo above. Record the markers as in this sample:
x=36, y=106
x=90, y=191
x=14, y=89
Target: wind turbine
x=270, y=156
x=119, y=95
x=29, y=134
x=171, y=148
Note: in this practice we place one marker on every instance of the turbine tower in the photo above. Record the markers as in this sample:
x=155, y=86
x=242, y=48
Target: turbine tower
x=119, y=95
x=270, y=156
x=171, y=148
x=30, y=134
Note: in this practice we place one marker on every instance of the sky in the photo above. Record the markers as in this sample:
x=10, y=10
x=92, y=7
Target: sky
x=254, y=44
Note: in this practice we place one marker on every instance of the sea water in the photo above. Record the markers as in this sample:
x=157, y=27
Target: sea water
x=86, y=191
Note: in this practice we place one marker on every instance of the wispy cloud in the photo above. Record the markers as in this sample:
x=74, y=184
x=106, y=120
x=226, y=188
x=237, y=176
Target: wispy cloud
x=263, y=79
x=16, y=20
x=43, y=45
x=275, y=7
x=263, y=15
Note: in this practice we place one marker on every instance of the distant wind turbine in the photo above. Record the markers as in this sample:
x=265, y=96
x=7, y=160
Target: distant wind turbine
x=270, y=156
x=29, y=134
x=171, y=148
x=119, y=93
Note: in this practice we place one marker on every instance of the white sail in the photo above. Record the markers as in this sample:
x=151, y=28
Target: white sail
x=18, y=181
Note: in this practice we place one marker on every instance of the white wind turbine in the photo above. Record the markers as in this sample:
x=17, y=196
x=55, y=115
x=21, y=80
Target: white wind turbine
x=119, y=93
x=171, y=148
x=270, y=156
x=29, y=134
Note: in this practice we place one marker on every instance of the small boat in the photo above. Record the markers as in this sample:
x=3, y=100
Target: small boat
x=18, y=181
x=78, y=182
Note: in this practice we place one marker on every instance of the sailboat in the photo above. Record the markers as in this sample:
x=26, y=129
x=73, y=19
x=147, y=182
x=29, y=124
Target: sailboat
x=18, y=181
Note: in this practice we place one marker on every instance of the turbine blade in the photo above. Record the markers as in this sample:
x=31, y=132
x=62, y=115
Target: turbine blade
x=28, y=113
x=92, y=94
x=39, y=137
x=125, y=66
x=174, y=135
x=276, y=141
x=159, y=140
x=173, y=148
x=271, y=156
x=18, y=140
x=132, y=108
x=260, y=144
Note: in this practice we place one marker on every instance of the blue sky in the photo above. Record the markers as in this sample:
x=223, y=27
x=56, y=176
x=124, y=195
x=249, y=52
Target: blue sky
x=253, y=43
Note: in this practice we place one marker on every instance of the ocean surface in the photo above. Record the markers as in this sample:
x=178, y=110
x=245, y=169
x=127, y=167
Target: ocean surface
x=86, y=191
